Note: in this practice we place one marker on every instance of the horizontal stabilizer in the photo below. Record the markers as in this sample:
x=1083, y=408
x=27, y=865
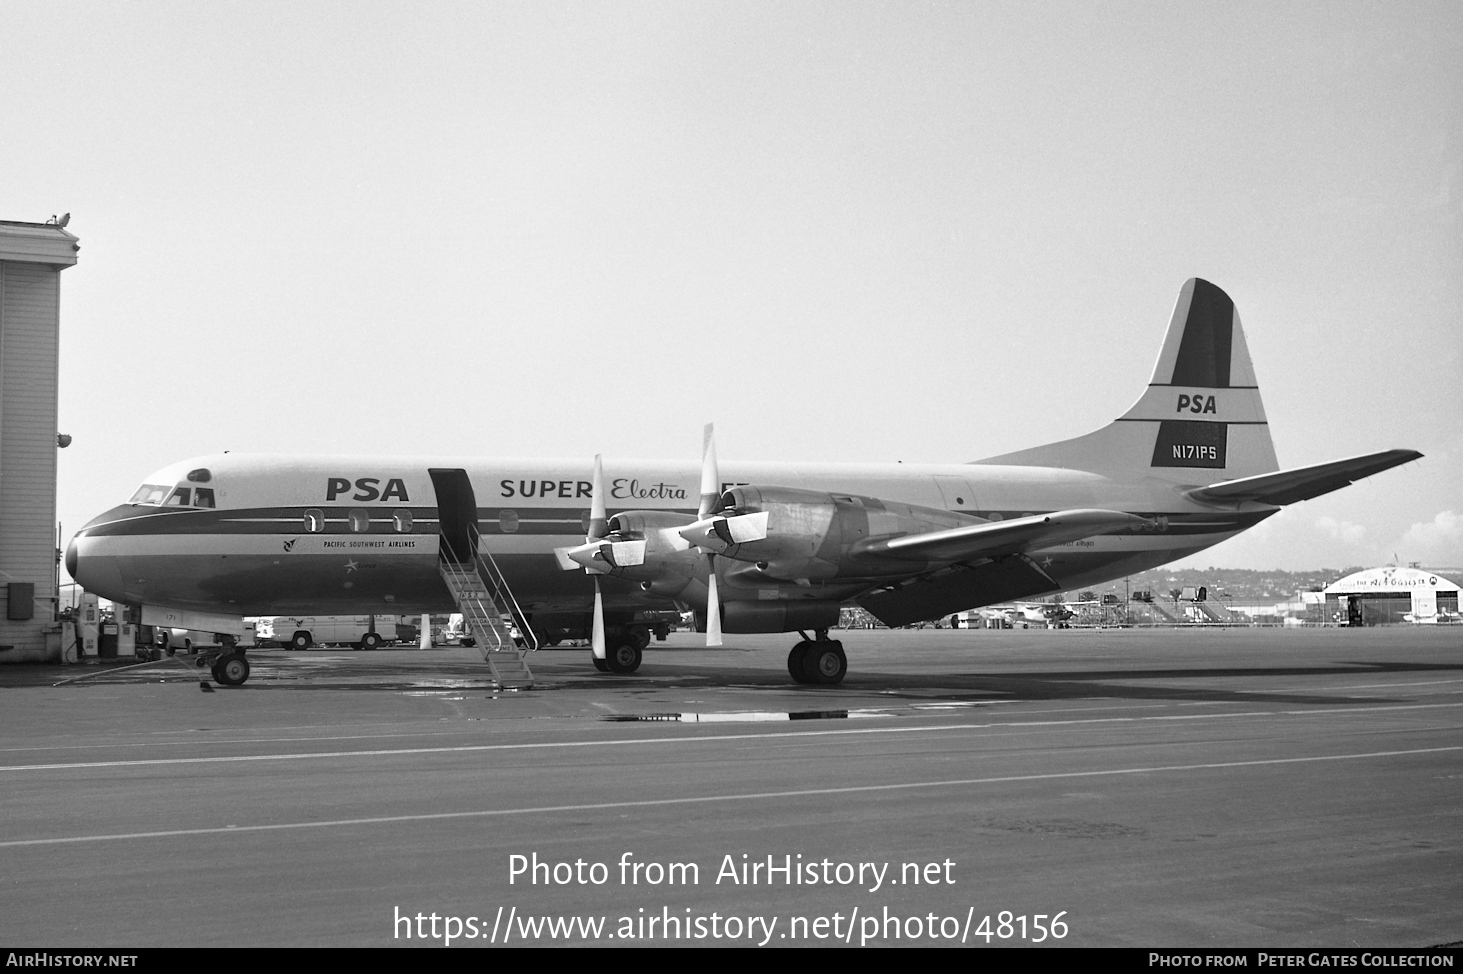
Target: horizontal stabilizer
x=999, y=538
x=1301, y=483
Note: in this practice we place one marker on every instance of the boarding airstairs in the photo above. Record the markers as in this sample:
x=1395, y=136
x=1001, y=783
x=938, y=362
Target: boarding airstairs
x=488, y=609
x=1162, y=616
x=1215, y=612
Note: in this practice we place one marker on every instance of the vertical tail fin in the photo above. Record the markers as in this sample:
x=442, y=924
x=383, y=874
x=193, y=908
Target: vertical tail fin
x=1200, y=419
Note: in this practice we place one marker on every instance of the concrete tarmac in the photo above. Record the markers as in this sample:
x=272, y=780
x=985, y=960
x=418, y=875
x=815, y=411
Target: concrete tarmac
x=1154, y=788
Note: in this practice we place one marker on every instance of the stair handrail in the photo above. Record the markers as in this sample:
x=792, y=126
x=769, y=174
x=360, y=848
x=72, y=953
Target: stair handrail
x=474, y=610
x=501, y=592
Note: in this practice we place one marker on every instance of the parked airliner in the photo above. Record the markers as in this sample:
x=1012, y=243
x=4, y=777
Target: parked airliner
x=749, y=547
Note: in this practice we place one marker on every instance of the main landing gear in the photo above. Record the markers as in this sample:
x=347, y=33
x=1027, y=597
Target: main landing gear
x=623, y=650
x=817, y=661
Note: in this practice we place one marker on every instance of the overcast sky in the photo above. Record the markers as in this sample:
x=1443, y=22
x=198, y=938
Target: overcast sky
x=842, y=231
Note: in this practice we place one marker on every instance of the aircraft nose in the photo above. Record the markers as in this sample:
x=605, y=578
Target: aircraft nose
x=92, y=562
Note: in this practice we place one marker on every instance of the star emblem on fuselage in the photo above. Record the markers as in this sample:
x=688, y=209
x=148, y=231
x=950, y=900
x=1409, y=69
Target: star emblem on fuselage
x=350, y=566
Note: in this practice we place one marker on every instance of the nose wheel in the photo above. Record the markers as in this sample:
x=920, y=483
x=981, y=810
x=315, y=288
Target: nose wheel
x=230, y=669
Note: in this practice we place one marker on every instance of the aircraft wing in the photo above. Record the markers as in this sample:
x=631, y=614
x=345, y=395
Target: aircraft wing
x=1301, y=483
x=1000, y=538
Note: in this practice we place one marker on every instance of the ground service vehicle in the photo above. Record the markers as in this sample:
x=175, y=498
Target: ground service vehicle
x=359, y=631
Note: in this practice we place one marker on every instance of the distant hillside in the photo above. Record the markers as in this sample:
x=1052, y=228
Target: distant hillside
x=1238, y=584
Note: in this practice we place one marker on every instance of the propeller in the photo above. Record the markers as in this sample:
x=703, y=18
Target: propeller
x=605, y=552
x=710, y=496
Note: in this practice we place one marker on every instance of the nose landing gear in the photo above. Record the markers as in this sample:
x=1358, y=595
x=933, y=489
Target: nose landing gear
x=230, y=669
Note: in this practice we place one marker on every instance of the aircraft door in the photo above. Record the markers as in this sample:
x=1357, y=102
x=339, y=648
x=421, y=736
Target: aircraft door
x=457, y=513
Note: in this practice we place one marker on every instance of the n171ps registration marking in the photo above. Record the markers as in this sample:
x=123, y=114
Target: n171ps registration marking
x=1188, y=443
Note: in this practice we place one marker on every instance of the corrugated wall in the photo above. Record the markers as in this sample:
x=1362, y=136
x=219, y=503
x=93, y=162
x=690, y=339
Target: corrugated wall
x=29, y=329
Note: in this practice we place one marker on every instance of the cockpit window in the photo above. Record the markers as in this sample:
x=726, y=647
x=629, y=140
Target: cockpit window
x=151, y=494
x=165, y=495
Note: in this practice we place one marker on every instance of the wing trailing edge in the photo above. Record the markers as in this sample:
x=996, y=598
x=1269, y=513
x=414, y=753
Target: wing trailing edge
x=956, y=589
x=1300, y=483
x=1000, y=538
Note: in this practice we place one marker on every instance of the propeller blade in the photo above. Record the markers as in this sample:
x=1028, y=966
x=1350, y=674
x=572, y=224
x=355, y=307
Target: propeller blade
x=597, y=639
x=598, y=525
x=713, y=606
x=710, y=497
x=627, y=554
x=747, y=527
x=710, y=476
x=598, y=528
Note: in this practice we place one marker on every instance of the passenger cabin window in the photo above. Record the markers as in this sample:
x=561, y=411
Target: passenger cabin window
x=314, y=521
x=508, y=521
x=203, y=497
x=360, y=520
x=180, y=497
x=401, y=521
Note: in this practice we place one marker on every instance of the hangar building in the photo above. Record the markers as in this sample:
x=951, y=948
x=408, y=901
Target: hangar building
x=1378, y=596
x=32, y=256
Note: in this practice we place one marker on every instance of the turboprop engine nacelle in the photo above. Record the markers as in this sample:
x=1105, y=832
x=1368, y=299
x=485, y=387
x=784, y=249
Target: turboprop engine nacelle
x=792, y=533
x=645, y=547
